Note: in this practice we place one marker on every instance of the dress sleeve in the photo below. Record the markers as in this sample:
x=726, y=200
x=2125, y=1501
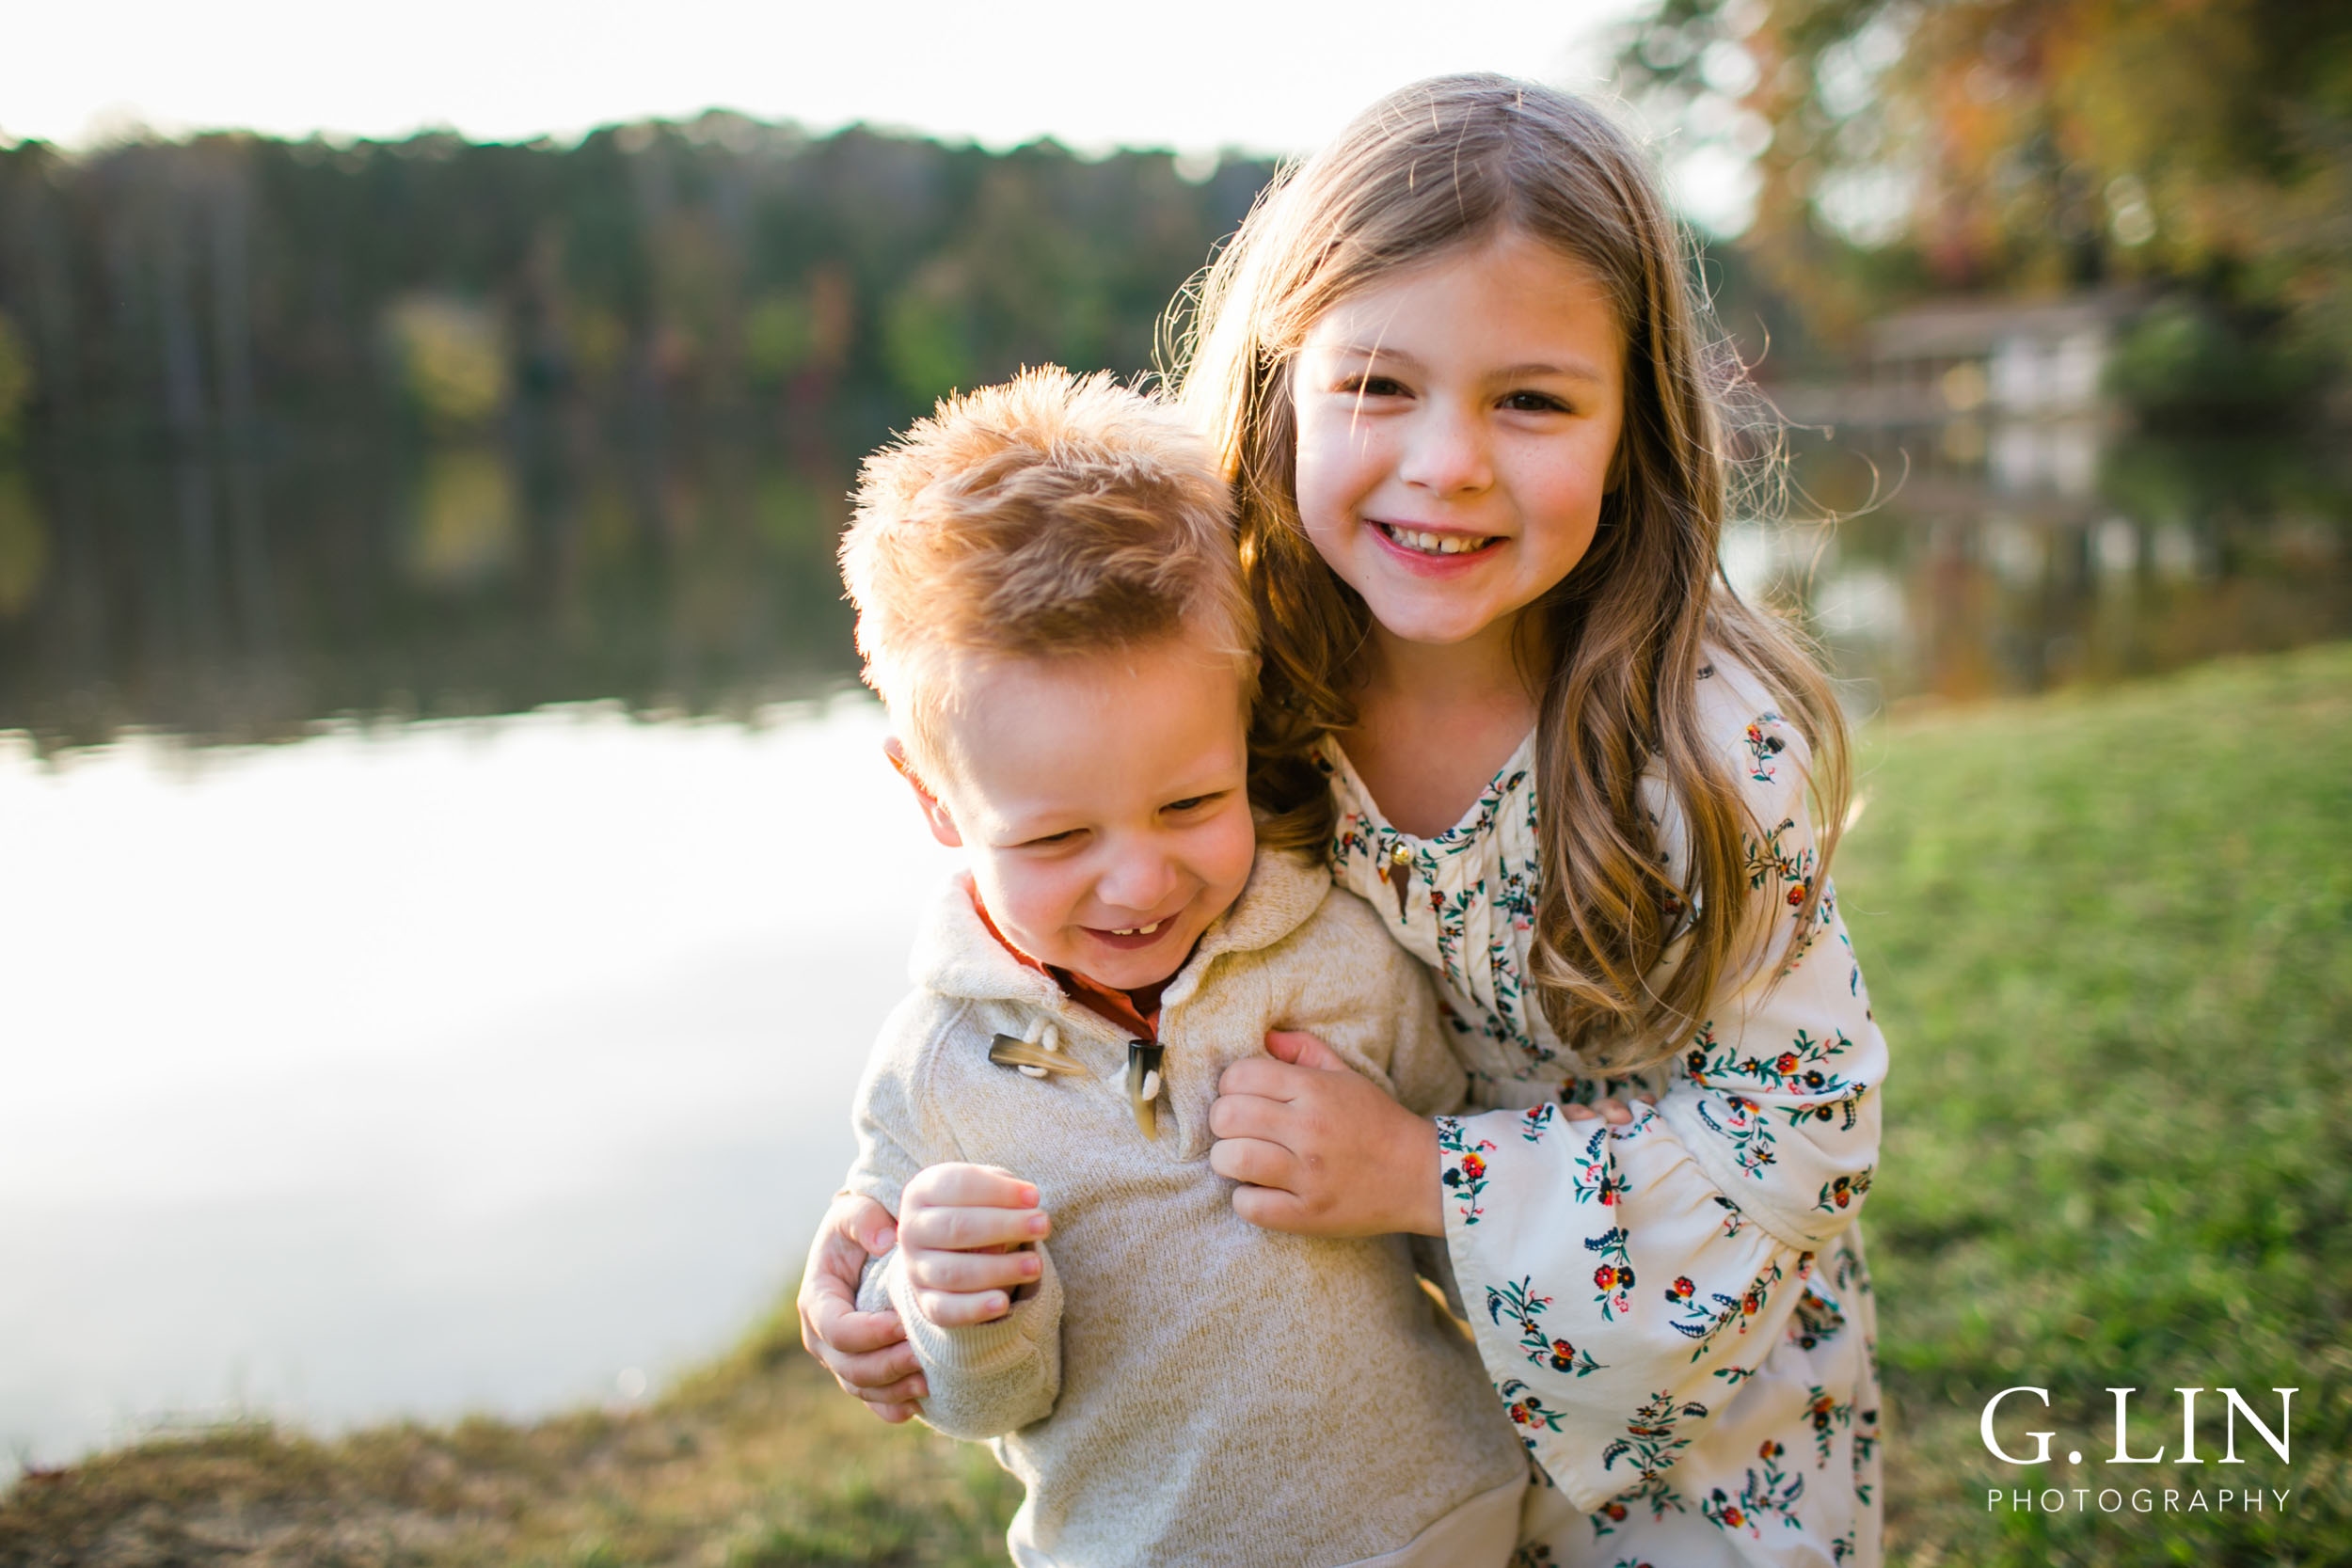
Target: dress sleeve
x=1623, y=1282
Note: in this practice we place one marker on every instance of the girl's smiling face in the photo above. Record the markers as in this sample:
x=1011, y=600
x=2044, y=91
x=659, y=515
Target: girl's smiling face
x=1456, y=426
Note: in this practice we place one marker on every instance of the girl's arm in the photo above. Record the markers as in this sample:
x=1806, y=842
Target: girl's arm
x=866, y=1352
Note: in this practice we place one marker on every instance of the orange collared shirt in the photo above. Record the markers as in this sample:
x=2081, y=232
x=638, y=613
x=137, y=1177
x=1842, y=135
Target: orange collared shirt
x=1136, y=1012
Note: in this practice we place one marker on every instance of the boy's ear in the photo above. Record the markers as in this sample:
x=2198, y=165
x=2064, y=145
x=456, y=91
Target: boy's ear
x=935, y=815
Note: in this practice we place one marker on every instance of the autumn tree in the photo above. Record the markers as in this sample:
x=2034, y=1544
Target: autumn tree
x=2028, y=144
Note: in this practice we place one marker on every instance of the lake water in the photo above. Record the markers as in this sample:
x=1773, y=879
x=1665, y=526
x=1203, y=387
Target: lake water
x=444, y=897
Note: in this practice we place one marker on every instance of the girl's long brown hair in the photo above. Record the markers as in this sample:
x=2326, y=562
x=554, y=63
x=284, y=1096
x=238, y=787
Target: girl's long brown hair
x=1445, y=163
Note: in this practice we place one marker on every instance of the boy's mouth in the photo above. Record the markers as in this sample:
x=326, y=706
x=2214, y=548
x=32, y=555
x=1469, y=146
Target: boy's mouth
x=1425, y=542
x=1130, y=937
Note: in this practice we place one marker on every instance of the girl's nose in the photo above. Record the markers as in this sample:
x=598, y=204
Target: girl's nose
x=1445, y=452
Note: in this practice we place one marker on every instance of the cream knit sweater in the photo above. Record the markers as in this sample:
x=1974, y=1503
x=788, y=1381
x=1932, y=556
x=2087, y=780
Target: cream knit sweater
x=1182, y=1387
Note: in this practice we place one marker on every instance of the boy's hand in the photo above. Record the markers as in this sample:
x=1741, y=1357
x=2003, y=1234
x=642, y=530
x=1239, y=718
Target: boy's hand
x=1320, y=1149
x=866, y=1352
x=964, y=1231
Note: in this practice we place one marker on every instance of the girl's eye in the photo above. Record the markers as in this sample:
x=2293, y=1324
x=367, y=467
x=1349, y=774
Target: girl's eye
x=1372, y=386
x=1050, y=839
x=1534, y=403
x=1189, y=802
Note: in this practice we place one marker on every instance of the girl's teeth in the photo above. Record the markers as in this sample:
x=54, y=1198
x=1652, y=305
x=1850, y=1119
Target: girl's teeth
x=1140, y=930
x=1435, y=544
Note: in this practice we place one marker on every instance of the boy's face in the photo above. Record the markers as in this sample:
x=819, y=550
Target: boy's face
x=1100, y=803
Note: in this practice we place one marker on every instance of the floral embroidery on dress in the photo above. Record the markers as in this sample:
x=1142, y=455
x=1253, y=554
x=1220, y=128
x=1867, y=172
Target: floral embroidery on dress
x=1817, y=1318
x=1596, y=1179
x=1866, y=1446
x=1742, y=1127
x=1650, y=1443
x=1763, y=748
x=1613, y=1282
x=1828, y=1417
x=1796, y=1068
x=1527, y=1410
x=1526, y=1309
x=1839, y=1194
x=1465, y=1165
x=1768, y=1495
x=1705, y=1325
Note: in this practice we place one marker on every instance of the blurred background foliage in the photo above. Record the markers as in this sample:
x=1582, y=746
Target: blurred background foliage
x=2199, y=148
x=236, y=287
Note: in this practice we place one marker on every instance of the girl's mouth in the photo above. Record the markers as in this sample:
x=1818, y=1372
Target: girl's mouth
x=1437, y=545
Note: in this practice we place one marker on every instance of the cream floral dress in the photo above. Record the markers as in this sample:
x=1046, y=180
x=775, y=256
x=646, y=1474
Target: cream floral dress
x=1675, y=1313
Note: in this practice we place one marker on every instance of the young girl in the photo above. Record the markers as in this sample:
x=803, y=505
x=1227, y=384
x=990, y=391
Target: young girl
x=1456, y=370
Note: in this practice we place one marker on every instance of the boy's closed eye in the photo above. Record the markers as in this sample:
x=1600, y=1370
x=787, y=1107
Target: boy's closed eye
x=1194, y=802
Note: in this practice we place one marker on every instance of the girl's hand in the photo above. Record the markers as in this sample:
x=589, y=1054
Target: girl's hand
x=1617, y=1113
x=866, y=1352
x=965, y=1232
x=1319, y=1149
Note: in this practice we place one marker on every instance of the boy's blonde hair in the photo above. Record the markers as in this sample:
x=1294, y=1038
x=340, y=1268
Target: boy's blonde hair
x=1618, y=647
x=1048, y=516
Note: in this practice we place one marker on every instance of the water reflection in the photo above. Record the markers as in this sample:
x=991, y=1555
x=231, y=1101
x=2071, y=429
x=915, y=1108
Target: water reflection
x=1984, y=562
x=248, y=601
x=443, y=1067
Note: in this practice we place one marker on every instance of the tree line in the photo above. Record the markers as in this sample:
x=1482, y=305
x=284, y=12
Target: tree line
x=232, y=288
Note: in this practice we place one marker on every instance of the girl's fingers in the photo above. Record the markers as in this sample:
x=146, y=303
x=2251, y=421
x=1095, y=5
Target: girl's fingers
x=1254, y=1161
x=1269, y=1208
x=926, y=1228
x=1247, y=1116
x=865, y=1222
x=1265, y=1078
x=1302, y=1049
x=905, y=1390
x=967, y=1271
x=1617, y=1113
x=959, y=1310
x=869, y=1375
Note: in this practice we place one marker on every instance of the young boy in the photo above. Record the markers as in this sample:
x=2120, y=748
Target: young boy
x=1050, y=603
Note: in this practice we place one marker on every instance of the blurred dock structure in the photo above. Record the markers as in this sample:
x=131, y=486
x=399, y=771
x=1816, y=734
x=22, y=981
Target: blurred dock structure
x=1990, y=360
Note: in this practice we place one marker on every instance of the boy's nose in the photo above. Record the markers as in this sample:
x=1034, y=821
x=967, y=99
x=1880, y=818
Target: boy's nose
x=1137, y=884
x=1445, y=452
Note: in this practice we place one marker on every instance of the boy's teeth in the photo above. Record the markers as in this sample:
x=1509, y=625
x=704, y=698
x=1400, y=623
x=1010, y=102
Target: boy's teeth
x=1140, y=930
x=1435, y=544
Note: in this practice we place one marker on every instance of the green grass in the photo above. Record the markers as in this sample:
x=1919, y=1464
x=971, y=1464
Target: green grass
x=2109, y=935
